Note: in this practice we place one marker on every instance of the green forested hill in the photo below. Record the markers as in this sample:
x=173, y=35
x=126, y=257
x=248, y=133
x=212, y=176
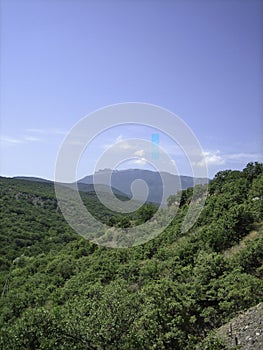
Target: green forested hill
x=59, y=291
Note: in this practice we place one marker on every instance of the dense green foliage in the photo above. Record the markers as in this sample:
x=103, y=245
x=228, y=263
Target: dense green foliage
x=59, y=291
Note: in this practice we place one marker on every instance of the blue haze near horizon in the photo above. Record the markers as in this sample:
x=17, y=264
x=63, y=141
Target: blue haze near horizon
x=61, y=60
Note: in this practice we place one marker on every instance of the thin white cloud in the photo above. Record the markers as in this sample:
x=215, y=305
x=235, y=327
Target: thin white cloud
x=140, y=161
x=211, y=158
x=244, y=156
x=119, y=144
x=31, y=138
x=215, y=158
x=140, y=153
x=114, y=142
x=7, y=140
x=34, y=137
x=11, y=140
x=124, y=145
x=50, y=131
x=168, y=146
x=119, y=138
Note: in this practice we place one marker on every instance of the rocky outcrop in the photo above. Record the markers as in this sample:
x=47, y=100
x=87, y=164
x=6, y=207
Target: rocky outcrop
x=245, y=330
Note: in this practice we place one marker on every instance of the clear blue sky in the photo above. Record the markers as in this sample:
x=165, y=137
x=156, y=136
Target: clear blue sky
x=61, y=60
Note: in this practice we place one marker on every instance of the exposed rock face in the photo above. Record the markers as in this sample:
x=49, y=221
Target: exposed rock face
x=245, y=330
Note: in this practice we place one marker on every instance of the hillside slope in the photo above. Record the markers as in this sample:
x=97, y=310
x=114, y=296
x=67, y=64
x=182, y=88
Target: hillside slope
x=60, y=291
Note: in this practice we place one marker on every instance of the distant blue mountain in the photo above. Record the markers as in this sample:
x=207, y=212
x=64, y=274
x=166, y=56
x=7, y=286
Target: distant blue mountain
x=123, y=179
x=121, y=183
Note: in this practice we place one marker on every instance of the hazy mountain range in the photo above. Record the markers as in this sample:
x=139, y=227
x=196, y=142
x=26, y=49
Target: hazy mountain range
x=122, y=180
x=121, y=183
